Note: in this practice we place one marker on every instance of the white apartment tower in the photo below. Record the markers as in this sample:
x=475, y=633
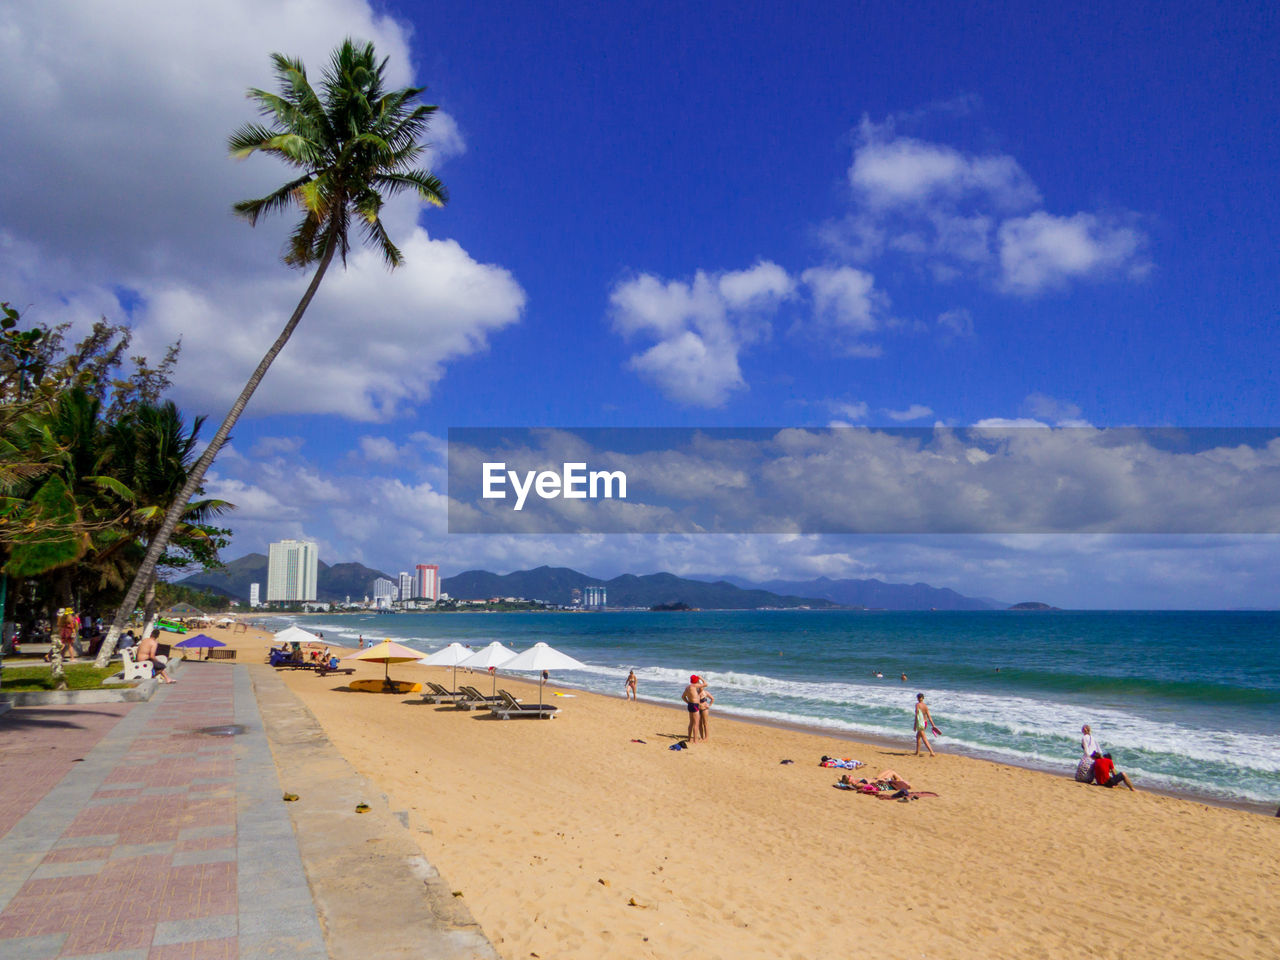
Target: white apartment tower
x=255, y=595
x=406, y=586
x=291, y=571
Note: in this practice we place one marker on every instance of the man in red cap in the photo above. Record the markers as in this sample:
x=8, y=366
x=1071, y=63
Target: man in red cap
x=692, y=694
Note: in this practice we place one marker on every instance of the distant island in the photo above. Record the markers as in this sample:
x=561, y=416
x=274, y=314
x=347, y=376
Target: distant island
x=1032, y=605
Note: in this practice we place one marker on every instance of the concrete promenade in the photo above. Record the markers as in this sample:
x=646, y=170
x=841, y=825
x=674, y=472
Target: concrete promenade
x=157, y=830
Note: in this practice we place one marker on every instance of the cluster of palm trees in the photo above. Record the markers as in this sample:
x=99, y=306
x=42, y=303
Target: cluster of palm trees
x=90, y=462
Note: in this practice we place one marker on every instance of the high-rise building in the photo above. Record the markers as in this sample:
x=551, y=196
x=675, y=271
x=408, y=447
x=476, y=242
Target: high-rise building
x=254, y=594
x=384, y=591
x=595, y=598
x=291, y=571
x=427, y=585
x=406, y=586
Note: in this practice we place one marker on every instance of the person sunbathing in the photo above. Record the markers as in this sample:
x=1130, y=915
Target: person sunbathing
x=887, y=780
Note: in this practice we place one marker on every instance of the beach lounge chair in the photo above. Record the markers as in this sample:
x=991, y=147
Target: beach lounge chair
x=434, y=693
x=511, y=707
x=324, y=668
x=473, y=698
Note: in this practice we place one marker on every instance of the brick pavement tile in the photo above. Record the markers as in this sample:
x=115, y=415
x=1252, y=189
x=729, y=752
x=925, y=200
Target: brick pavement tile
x=77, y=868
x=188, y=857
x=99, y=938
x=32, y=948
x=72, y=854
x=208, y=830
x=188, y=844
x=226, y=948
x=89, y=840
x=218, y=927
x=125, y=851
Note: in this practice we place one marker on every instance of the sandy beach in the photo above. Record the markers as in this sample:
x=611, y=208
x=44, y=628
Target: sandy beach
x=569, y=840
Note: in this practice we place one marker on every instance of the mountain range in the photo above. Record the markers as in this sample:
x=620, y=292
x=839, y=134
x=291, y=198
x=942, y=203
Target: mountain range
x=875, y=594
x=556, y=585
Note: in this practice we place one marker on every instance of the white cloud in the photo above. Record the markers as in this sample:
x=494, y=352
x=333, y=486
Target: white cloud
x=917, y=411
x=956, y=215
x=378, y=449
x=845, y=301
x=850, y=410
x=1042, y=251
x=1062, y=413
x=275, y=446
x=132, y=104
x=701, y=327
x=890, y=171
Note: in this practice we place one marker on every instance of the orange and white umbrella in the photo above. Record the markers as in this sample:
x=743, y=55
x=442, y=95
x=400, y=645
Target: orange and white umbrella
x=387, y=652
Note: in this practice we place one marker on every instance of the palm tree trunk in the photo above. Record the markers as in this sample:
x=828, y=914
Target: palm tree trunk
x=149, y=608
x=146, y=572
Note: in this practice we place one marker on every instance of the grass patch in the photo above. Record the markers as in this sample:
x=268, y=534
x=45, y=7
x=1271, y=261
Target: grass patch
x=80, y=676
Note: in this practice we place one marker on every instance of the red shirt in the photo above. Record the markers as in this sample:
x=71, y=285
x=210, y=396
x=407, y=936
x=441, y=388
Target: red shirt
x=1103, y=770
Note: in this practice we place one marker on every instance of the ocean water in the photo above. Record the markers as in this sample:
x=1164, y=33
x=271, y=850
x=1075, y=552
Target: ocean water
x=1185, y=701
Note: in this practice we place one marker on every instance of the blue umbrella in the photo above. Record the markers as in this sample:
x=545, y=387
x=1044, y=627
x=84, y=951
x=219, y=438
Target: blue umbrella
x=200, y=640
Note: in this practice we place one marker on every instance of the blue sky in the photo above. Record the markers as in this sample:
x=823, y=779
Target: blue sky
x=687, y=215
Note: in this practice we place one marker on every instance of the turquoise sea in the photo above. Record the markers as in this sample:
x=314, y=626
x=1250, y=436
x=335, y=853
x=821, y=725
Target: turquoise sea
x=1188, y=702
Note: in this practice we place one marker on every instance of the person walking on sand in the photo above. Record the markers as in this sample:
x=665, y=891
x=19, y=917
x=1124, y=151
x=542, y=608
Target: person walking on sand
x=691, y=696
x=631, y=685
x=924, y=723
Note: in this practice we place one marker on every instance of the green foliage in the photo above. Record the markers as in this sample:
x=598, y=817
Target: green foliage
x=169, y=594
x=354, y=143
x=90, y=458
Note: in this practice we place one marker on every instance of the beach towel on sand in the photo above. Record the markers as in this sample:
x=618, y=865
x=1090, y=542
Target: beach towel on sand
x=845, y=764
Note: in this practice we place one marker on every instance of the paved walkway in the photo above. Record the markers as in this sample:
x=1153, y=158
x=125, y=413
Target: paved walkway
x=157, y=830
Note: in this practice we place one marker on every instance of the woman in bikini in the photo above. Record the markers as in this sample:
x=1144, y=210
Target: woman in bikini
x=631, y=685
x=705, y=700
x=924, y=723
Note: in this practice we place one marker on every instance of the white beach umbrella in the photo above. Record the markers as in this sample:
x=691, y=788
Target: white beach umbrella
x=488, y=658
x=543, y=657
x=449, y=656
x=295, y=635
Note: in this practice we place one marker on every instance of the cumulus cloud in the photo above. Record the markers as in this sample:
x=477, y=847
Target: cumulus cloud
x=958, y=214
x=1042, y=251
x=701, y=327
x=847, y=304
x=889, y=171
x=155, y=88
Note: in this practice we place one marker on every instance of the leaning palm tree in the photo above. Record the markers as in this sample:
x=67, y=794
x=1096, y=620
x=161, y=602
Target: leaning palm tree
x=352, y=143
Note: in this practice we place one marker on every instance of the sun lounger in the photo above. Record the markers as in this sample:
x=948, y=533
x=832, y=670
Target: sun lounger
x=511, y=707
x=473, y=698
x=324, y=669
x=434, y=693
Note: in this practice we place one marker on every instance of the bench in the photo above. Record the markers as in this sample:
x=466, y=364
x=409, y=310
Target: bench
x=222, y=653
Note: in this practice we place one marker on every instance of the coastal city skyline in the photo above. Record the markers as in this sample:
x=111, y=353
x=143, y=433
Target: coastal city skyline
x=1037, y=234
